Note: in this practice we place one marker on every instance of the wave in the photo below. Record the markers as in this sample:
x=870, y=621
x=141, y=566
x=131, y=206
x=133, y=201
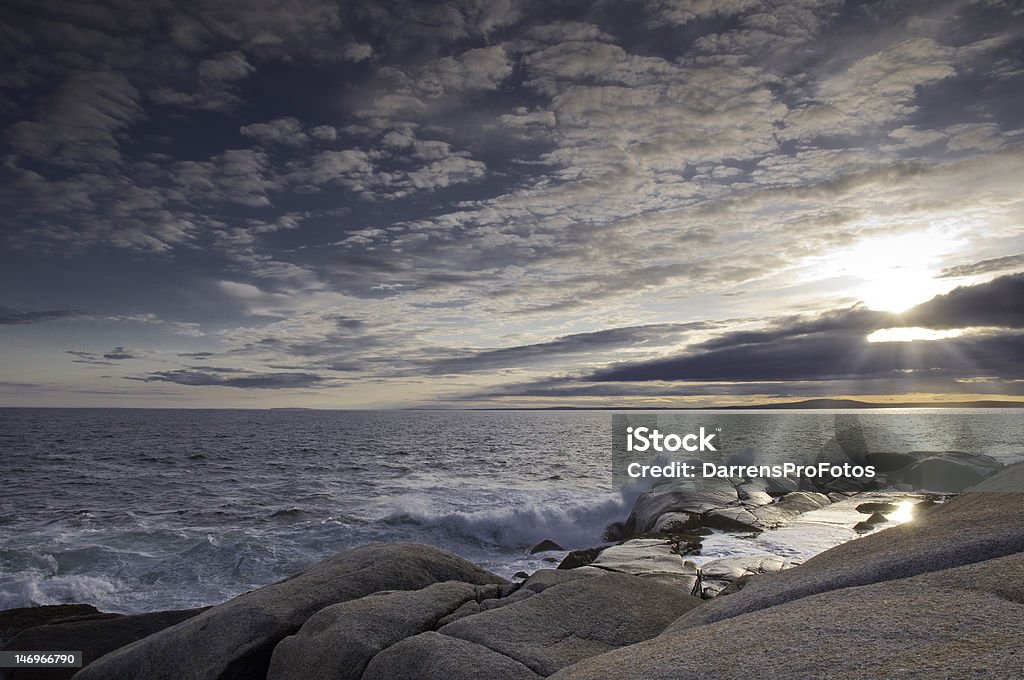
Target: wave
x=37, y=590
x=521, y=526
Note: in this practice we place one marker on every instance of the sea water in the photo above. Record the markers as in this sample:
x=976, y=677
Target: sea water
x=142, y=510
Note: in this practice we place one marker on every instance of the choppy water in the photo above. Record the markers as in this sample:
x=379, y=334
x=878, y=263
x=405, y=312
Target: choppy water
x=139, y=510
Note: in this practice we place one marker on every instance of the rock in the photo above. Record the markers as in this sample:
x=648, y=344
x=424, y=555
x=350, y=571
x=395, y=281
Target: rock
x=766, y=516
x=732, y=519
x=546, y=578
x=338, y=642
x=675, y=521
x=686, y=496
x=951, y=471
x=93, y=635
x=571, y=621
x=777, y=486
x=752, y=495
x=236, y=639
x=545, y=546
x=958, y=623
x=870, y=523
x=650, y=557
x=717, y=575
x=13, y=621
x=972, y=527
x=894, y=465
x=432, y=655
x=874, y=508
x=520, y=574
x=580, y=558
x=788, y=507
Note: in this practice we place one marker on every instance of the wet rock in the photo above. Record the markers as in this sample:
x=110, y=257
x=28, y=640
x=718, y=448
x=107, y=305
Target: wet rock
x=732, y=519
x=520, y=574
x=870, y=523
x=580, y=558
x=675, y=521
x=719, y=574
x=872, y=508
x=546, y=546
x=686, y=496
x=788, y=507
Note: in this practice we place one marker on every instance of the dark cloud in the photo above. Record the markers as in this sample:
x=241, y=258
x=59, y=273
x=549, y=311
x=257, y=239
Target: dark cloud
x=88, y=358
x=834, y=346
x=10, y=316
x=119, y=353
x=559, y=349
x=994, y=264
x=999, y=302
x=206, y=377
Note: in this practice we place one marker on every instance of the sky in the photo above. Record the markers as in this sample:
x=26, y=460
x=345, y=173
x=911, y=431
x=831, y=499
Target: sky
x=488, y=203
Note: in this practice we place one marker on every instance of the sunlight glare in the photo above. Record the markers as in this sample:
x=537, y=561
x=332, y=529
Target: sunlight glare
x=904, y=513
x=897, y=272
x=913, y=333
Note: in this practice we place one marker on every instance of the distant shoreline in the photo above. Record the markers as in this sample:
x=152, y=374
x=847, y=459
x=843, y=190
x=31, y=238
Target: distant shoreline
x=789, y=405
x=806, y=404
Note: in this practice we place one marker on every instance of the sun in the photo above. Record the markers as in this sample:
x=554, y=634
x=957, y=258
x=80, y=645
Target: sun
x=895, y=272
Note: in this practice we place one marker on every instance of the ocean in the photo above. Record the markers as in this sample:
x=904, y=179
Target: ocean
x=144, y=510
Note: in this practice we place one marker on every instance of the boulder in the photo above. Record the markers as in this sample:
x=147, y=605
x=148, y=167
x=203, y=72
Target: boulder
x=580, y=558
x=874, y=508
x=732, y=519
x=573, y=620
x=546, y=546
x=951, y=471
x=717, y=575
x=676, y=521
x=236, y=639
x=337, y=642
x=650, y=557
x=689, y=496
x=958, y=623
x=13, y=621
x=432, y=655
x=93, y=635
x=871, y=522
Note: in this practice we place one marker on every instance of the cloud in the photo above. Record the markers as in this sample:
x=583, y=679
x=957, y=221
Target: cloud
x=999, y=302
x=10, y=316
x=993, y=264
x=120, y=353
x=79, y=122
x=561, y=349
x=834, y=346
x=286, y=131
x=213, y=377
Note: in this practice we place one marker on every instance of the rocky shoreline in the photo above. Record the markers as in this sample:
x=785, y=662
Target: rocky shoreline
x=940, y=595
